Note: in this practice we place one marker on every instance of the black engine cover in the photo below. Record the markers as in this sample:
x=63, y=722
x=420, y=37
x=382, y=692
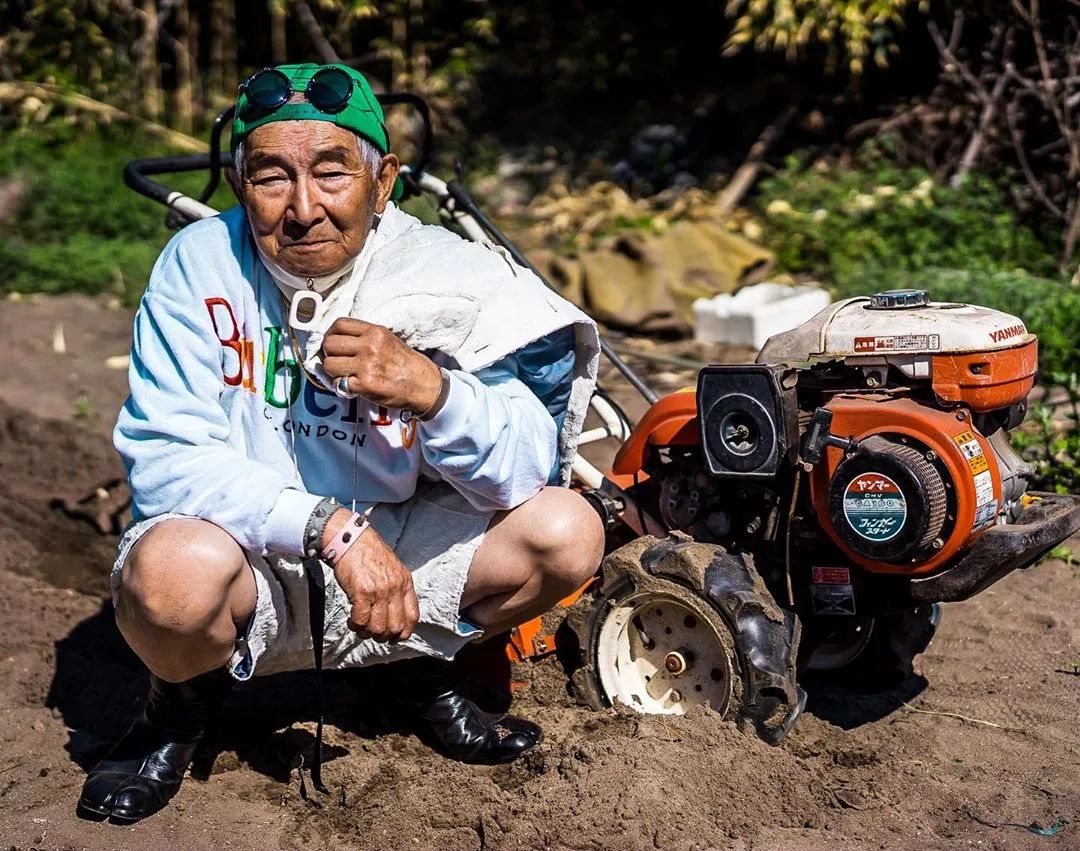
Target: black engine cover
x=748, y=419
x=889, y=502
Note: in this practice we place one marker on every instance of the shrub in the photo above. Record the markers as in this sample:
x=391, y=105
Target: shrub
x=78, y=227
x=835, y=221
x=1053, y=447
x=869, y=225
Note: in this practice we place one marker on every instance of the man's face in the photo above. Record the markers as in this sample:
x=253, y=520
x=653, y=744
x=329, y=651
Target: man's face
x=309, y=196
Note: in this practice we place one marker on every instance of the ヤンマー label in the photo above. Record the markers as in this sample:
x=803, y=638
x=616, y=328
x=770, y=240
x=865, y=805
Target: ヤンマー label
x=874, y=507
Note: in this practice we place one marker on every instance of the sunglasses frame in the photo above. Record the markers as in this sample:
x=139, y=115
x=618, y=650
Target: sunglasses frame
x=329, y=109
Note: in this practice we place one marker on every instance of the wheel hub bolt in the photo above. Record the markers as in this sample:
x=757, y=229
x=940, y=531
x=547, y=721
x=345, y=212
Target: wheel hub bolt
x=675, y=663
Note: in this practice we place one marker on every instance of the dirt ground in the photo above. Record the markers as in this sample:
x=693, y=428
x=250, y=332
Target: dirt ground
x=858, y=772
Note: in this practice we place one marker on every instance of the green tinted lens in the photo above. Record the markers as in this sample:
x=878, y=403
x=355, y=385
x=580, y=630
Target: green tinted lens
x=268, y=89
x=329, y=90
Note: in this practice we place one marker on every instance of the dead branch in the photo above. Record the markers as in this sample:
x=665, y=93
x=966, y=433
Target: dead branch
x=747, y=173
x=319, y=41
x=19, y=90
x=951, y=64
x=960, y=717
x=978, y=138
x=1021, y=157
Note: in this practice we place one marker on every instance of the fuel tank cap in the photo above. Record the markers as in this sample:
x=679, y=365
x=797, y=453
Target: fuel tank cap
x=899, y=299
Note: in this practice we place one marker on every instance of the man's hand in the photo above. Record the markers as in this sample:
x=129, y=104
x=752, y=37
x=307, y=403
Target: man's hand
x=380, y=367
x=378, y=585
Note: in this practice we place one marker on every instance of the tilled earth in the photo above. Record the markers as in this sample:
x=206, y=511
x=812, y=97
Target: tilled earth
x=985, y=736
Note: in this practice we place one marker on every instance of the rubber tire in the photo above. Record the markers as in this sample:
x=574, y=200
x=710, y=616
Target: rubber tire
x=888, y=659
x=764, y=638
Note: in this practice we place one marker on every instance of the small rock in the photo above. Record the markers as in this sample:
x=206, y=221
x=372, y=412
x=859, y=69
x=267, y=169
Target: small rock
x=38, y=725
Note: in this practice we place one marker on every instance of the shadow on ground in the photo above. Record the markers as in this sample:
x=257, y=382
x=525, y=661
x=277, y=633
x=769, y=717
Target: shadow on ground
x=848, y=708
x=99, y=686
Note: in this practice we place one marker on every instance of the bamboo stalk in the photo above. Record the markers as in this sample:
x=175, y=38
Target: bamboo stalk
x=278, y=41
x=183, y=96
x=148, y=69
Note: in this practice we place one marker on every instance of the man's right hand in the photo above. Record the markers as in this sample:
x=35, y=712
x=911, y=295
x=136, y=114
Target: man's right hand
x=378, y=585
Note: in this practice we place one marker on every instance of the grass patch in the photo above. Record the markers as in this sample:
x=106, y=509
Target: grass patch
x=78, y=228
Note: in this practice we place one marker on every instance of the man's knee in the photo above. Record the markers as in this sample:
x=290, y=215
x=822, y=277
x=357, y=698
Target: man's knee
x=177, y=576
x=565, y=536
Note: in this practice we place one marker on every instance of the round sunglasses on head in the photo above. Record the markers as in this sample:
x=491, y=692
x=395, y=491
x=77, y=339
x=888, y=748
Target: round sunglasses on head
x=328, y=90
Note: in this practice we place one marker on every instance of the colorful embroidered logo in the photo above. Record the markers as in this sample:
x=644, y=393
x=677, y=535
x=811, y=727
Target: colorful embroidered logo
x=238, y=369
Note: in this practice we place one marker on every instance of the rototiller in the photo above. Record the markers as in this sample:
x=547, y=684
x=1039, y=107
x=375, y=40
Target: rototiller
x=806, y=512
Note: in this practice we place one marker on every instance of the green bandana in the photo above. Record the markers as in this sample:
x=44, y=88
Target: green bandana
x=362, y=114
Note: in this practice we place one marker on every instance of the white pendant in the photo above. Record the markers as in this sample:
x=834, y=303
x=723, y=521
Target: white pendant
x=294, y=310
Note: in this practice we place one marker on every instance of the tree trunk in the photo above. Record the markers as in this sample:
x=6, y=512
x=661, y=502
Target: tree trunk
x=230, y=64
x=399, y=35
x=198, y=94
x=418, y=59
x=278, y=47
x=326, y=51
x=215, y=69
x=184, y=105
x=148, y=70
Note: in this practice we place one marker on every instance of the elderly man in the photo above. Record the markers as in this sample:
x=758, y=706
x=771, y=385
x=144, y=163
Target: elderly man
x=341, y=437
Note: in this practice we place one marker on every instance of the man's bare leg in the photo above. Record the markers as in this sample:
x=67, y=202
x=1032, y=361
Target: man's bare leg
x=532, y=557
x=185, y=591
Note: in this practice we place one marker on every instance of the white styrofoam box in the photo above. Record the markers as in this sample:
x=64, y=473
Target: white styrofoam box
x=755, y=313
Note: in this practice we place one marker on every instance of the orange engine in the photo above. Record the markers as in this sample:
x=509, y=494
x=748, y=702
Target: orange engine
x=922, y=484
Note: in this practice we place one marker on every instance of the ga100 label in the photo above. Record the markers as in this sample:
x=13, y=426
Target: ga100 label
x=874, y=507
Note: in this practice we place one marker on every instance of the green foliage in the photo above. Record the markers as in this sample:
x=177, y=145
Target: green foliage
x=851, y=31
x=870, y=226
x=78, y=43
x=837, y=221
x=79, y=228
x=1065, y=553
x=1053, y=447
x=82, y=264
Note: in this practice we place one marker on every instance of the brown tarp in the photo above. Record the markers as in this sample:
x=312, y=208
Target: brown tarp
x=647, y=282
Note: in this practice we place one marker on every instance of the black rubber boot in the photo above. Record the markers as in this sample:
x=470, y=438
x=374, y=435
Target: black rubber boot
x=430, y=694
x=144, y=770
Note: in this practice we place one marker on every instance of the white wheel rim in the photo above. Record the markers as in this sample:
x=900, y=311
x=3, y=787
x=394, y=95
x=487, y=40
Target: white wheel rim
x=660, y=655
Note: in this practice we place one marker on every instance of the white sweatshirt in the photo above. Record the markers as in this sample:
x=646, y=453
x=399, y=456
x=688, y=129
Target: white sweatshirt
x=224, y=424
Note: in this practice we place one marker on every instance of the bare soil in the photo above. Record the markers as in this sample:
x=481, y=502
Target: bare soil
x=858, y=772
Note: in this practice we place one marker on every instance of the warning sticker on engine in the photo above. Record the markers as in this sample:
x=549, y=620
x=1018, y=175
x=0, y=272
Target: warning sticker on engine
x=984, y=488
x=898, y=343
x=985, y=514
x=874, y=507
x=833, y=599
x=830, y=575
x=972, y=450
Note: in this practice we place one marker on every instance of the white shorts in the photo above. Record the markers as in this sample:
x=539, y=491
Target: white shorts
x=435, y=534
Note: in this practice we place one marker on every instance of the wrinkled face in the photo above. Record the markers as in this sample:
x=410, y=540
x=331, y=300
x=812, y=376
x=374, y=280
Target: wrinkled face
x=309, y=195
